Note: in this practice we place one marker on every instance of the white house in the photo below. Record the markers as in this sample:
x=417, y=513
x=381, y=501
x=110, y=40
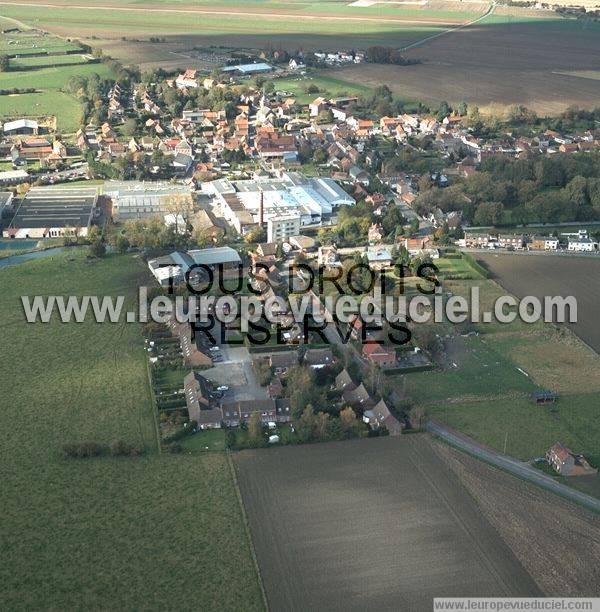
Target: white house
x=582, y=245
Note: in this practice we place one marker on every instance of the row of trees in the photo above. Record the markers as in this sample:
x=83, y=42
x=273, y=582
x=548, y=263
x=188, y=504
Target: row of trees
x=387, y=55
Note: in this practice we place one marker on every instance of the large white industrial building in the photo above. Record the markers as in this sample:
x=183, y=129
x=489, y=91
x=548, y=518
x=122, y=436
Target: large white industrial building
x=246, y=203
x=141, y=200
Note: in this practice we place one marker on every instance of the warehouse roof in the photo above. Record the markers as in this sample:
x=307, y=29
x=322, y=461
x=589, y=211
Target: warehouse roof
x=55, y=207
x=19, y=124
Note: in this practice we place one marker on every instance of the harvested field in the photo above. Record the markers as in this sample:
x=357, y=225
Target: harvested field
x=498, y=62
x=124, y=29
x=542, y=275
x=557, y=542
x=379, y=523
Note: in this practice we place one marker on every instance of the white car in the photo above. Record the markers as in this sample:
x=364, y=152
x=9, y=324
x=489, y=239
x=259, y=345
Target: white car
x=213, y=349
x=223, y=388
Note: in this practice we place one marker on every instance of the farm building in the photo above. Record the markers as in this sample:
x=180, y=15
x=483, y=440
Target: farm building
x=380, y=416
x=142, y=200
x=544, y=397
x=20, y=126
x=378, y=354
x=49, y=212
x=248, y=69
x=379, y=258
x=179, y=263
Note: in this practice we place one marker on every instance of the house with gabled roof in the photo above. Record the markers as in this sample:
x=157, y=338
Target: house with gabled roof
x=567, y=463
x=380, y=416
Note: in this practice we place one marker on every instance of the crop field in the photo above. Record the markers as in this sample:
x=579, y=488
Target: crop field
x=513, y=56
x=123, y=30
x=106, y=533
x=379, y=524
x=500, y=61
x=550, y=275
x=539, y=527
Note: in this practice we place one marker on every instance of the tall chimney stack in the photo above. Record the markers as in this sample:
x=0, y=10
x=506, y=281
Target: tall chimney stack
x=261, y=209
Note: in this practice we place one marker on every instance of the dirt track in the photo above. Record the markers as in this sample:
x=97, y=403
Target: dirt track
x=370, y=524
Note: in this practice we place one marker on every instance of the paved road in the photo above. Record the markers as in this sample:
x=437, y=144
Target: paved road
x=515, y=467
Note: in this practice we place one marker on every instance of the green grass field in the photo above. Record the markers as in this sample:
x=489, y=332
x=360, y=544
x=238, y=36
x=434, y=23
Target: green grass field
x=529, y=430
x=68, y=110
x=50, y=100
x=482, y=373
x=328, y=86
x=31, y=42
x=46, y=60
x=50, y=78
x=206, y=25
x=156, y=532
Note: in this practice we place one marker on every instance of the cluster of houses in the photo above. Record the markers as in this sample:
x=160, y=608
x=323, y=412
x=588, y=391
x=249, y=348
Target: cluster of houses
x=375, y=413
x=576, y=242
x=210, y=411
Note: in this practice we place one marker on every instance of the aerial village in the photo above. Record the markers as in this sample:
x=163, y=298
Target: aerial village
x=228, y=171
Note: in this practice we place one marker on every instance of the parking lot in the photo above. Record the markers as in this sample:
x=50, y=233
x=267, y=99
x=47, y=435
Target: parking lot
x=235, y=371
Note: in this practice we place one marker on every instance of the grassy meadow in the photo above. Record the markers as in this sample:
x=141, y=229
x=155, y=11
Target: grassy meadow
x=44, y=103
x=43, y=61
x=49, y=100
x=154, y=532
x=328, y=86
x=484, y=382
x=30, y=68
x=50, y=78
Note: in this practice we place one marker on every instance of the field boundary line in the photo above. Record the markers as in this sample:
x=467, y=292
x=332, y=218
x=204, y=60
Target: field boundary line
x=153, y=405
x=479, y=549
x=513, y=466
x=490, y=11
x=246, y=522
